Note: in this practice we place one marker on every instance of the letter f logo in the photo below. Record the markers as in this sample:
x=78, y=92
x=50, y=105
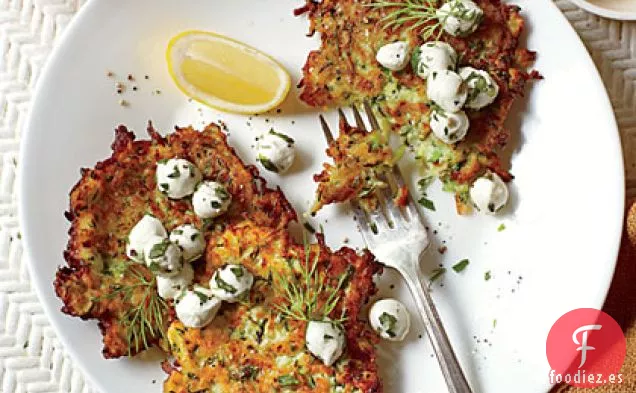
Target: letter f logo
x=583, y=344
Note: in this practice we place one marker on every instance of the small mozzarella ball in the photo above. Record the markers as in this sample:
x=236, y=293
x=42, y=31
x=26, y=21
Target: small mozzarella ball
x=447, y=90
x=211, y=199
x=190, y=239
x=489, y=193
x=146, y=228
x=275, y=151
x=460, y=17
x=449, y=127
x=171, y=287
x=325, y=340
x=163, y=257
x=394, y=56
x=390, y=318
x=197, y=308
x=177, y=178
x=435, y=56
x=482, y=88
x=230, y=282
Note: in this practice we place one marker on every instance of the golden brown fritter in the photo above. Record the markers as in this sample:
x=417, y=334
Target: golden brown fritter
x=344, y=71
x=360, y=160
x=111, y=198
x=249, y=347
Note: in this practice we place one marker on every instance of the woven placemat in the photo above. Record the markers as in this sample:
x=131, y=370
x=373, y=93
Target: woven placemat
x=31, y=357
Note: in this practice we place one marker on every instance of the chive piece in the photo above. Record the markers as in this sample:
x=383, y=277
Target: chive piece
x=427, y=203
x=494, y=323
x=267, y=164
x=282, y=136
x=388, y=322
x=461, y=265
x=487, y=276
x=501, y=227
x=158, y=250
x=224, y=285
x=202, y=297
x=437, y=273
x=237, y=271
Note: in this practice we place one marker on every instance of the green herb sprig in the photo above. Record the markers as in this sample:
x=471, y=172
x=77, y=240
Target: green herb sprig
x=421, y=12
x=308, y=296
x=144, y=319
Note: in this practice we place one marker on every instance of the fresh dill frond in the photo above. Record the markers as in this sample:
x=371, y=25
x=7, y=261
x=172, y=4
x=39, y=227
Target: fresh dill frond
x=144, y=318
x=423, y=14
x=308, y=295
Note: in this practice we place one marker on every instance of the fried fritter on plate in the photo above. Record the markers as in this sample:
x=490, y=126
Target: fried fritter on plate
x=252, y=345
x=344, y=71
x=111, y=198
x=360, y=160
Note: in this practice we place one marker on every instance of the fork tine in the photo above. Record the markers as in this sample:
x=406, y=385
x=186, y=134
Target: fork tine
x=325, y=129
x=372, y=119
x=343, y=117
x=410, y=208
x=359, y=121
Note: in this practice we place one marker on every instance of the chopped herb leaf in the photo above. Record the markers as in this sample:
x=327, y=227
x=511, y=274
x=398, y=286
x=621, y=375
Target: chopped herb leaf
x=461, y=265
x=487, y=276
x=501, y=227
x=194, y=236
x=159, y=249
x=215, y=204
x=221, y=193
x=237, y=271
x=282, y=136
x=437, y=273
x=175, y=173
x=388, y=322
x=224, y=285
x=427, y=203
x=203, y=297
x=267, y=164
x=328, y=337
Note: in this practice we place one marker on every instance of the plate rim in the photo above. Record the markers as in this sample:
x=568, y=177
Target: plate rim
x=605, y=12
x=53, y=314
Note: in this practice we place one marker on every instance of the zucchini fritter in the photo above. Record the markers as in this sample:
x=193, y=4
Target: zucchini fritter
x=111, y=198
x=250, y=347
x=344, y=71
x=360, y=158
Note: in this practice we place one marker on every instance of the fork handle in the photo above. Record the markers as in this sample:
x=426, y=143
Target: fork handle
x=451, y=369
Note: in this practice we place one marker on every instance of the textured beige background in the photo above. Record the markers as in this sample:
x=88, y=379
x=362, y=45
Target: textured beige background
x=31, y=358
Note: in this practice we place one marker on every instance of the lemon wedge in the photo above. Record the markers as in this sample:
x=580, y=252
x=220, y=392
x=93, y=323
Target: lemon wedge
x=226, y=74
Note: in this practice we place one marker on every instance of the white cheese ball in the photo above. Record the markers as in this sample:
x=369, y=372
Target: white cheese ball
x=231, y=282
x=449, y=127
x=146, y=228
x=177, y=178
x=489, y=193
x=325, y=340
x=447, y=89
x=211, y=199
x=275, y=151
x=390, y=318
x=171, y=287
x=394, y=56
x=435, y=56
x=197, y=308
x=163, y=257
x=482, y=88
x=190, y=239
x=460, y=17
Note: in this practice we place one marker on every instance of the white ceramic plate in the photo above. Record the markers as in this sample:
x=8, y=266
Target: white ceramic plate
x=613, y=9
x=562, y=228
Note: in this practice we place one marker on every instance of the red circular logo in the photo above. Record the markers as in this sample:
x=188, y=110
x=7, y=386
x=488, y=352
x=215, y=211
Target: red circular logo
x=586, y=348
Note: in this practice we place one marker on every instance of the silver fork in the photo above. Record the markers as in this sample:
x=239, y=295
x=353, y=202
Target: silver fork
x=398, y=239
